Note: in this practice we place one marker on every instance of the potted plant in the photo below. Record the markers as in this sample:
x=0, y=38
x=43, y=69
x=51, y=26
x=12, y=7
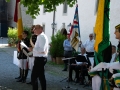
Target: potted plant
x=12, y=36
x=56, y=49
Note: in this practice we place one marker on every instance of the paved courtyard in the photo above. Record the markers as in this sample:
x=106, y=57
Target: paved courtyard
x=8, y=72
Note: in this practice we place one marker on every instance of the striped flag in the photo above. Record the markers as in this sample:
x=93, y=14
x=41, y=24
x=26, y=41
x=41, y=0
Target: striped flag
x=75, y=31
x=18, y=19
x=102, y=46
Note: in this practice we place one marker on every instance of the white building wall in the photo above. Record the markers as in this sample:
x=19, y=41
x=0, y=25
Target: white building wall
x=27, y=20
x=86, y=18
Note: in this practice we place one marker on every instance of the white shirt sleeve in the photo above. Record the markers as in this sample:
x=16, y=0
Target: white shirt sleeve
x=113, y=57
x=40, y=44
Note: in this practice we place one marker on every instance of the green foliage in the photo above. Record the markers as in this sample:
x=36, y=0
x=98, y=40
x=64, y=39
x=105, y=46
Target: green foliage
x=75, y=53
x=56, y=49
x=49, y=5
x=29, y=31
x=12, y=35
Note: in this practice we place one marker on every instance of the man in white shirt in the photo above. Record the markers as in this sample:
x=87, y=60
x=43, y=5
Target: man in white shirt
x=89, y=45
x=40, y=52
x=113, y=54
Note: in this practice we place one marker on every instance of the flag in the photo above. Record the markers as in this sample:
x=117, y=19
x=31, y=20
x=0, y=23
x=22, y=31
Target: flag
x=75, y=31
x=18, y=19
x=102, y=46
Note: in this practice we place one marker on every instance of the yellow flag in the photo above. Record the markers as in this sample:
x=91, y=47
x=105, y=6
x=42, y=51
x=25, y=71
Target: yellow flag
x=98, y=30
x=19, y=22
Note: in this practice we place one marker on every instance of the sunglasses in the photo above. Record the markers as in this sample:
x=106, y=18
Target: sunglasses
x=90, y=36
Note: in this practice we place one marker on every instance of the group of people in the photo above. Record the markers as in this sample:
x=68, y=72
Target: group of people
x=34, y=57
x=82, y=68
x=87, y=48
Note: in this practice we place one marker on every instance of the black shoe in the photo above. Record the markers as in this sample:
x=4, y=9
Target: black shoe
x=18, y=77
x=70, y=80
x=64, y=70
x=77, y=81
x=20, y=80
x=81, y=83
x=24, y=80
x=29, y=83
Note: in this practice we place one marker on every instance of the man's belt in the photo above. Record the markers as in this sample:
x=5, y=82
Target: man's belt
x=68, y=51
x=90, y=53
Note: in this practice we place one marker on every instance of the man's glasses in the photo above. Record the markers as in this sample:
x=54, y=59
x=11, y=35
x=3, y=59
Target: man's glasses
x=90, y=36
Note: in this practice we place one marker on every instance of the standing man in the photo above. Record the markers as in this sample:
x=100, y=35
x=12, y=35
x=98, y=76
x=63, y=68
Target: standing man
x=89, y=45
x=67, y=51
x=40, y=52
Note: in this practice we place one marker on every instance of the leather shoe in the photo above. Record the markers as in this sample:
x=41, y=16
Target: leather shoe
x=29, y=83
x=64, y=70
x=70, y=80
x=20, y=80
x=76, y=81
x=81, y=83
x=18, y=77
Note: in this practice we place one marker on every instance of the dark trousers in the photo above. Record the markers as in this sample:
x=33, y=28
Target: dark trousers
x=38, y=72
x=67, y=54
x=90, y=53
x=76, y=68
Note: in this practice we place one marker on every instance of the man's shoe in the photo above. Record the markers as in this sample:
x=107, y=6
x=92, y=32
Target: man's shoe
x=20, y=80
x=77, y=81
x=18, y=77
x=70, y=80
x=29, y=83
x=81, y=83
x=64, y=70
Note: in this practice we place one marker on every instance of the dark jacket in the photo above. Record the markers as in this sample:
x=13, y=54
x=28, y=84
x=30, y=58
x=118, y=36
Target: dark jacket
x=21, y=54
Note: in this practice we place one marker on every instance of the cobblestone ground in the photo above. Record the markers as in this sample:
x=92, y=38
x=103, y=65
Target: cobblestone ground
x=8, y=72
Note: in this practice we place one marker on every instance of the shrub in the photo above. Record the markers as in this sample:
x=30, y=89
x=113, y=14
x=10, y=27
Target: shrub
x=56, y=49
x=29, y=31
x=12, y=35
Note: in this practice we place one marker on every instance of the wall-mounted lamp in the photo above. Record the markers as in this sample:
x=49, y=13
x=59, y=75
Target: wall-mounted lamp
x=54, y=27
x=68, y=27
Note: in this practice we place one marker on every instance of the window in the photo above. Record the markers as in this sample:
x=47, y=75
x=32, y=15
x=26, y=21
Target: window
x=63, y=25
x=65, y=7
x=44, y=10
x=43, y=28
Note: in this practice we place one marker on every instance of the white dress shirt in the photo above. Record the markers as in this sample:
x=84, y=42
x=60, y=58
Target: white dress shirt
x=41, y=46
x=113, y=57
x=89, y=45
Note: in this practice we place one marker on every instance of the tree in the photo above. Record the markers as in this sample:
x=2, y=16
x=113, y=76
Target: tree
x=49, y=5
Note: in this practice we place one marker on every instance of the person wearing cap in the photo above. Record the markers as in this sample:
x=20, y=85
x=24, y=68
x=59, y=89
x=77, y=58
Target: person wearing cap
x=40, y=53
x=67, y=51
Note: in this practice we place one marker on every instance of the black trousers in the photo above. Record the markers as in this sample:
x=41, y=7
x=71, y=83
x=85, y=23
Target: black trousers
x=76, y=68
x=38, y=72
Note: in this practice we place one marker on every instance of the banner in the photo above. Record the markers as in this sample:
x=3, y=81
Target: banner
x=75, y=31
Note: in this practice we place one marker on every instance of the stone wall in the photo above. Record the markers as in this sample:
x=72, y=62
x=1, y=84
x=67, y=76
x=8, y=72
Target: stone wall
x=27, y=20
